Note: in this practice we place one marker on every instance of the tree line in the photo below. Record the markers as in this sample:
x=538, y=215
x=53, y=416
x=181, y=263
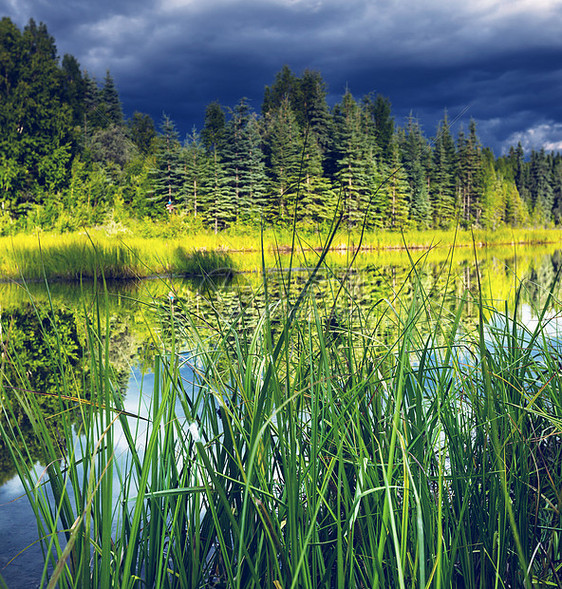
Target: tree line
x=69, y=158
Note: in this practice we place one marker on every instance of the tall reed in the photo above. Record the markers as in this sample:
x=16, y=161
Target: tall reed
x=324, y=445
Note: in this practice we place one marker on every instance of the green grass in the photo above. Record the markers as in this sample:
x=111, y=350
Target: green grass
x=126, y=255
x=77, y=256
x=382, y=447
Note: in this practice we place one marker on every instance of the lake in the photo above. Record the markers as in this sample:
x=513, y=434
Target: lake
x=137, y=326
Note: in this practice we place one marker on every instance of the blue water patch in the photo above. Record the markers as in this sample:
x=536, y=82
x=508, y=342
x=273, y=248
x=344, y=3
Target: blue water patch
x=21, y=558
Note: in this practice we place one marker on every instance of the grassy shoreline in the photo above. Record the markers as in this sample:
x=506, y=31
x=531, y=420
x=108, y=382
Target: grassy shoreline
x=121, y=254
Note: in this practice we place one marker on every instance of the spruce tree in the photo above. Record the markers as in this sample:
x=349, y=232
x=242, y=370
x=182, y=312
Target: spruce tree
x=167, y=175
x=243, y=159
x=93, y=113
x=284, y=144
x=110, y=102
x=442, y=193
x=469, y=176
x=379, y=112
x=353, y=161
x=542, y=194
x=521, y=174
x=311, y=109
x=317, y=200
x=219, y=201
x=307, y=99
x=256, y=177
x=196, y=174
x=556, y=175
x=283, y=88
x=397, y=188
x=415, y=153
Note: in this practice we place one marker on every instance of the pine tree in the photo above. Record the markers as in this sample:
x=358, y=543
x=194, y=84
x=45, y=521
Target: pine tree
x=110, y=102
x=196, y=174
x=415, y=152
x=10, y=61
x=11, y=173
x=469, y=176
x=283, y=88
x=256, y=177
x=521, y=173
x=73, y=88
x=542, y=195
x=307, y=98
x=317, y=200
x=284, y=144
x=354, y=162
x=167, y=175
x=442, y=194
x=37, y=136
x=244, y=163
x=216, y=199
x=311, y=109
x=397, y=187
x=494, y=194
x=220, y=205
x=501, y=201
x=556, y=175
x=379, y=112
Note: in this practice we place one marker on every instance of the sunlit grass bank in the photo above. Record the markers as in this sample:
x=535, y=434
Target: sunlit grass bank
x=124, y=256
x=379, y=447
x=76, y=256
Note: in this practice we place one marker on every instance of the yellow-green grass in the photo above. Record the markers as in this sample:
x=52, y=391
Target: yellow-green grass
x=124, y=256
x=79, y=255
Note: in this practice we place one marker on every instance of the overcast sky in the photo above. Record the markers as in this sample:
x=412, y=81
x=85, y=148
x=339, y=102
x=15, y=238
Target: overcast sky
x=497, y=61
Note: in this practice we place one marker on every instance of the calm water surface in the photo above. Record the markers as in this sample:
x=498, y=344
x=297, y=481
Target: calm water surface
x=132, y=310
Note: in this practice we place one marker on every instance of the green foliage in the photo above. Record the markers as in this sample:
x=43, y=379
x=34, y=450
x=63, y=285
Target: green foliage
x=469, y=176
x=501, y=202
x=542, y=195
x=111, y=147
x=32, y=343
x=396, y=188
x=142, y=131
x=415, y=152
x=354, y=163
x=110, y=102
x=36, y=121
x=379, y=110
x=298, y=156
x=242, y=156
x=197, y=168
x=284, y=149
x=442, y=192
x=202, y=263
x=167, y=175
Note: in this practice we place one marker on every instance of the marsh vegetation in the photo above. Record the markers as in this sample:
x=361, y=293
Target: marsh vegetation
x=292, y=435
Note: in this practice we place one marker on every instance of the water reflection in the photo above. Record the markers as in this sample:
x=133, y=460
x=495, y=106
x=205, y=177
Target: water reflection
x=137, y=316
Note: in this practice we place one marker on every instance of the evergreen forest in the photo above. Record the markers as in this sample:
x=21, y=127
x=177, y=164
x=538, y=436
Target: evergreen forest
x=69, y=158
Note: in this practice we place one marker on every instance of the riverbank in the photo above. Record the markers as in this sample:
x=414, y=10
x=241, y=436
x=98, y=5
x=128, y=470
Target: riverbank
x=118, y=252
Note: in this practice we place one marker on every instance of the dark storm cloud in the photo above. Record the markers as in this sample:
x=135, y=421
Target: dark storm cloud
x=495, y=61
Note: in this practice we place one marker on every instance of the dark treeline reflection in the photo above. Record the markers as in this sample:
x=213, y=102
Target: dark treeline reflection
x=46, y=346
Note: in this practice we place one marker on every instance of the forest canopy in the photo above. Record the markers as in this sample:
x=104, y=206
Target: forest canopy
x=69, y=158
